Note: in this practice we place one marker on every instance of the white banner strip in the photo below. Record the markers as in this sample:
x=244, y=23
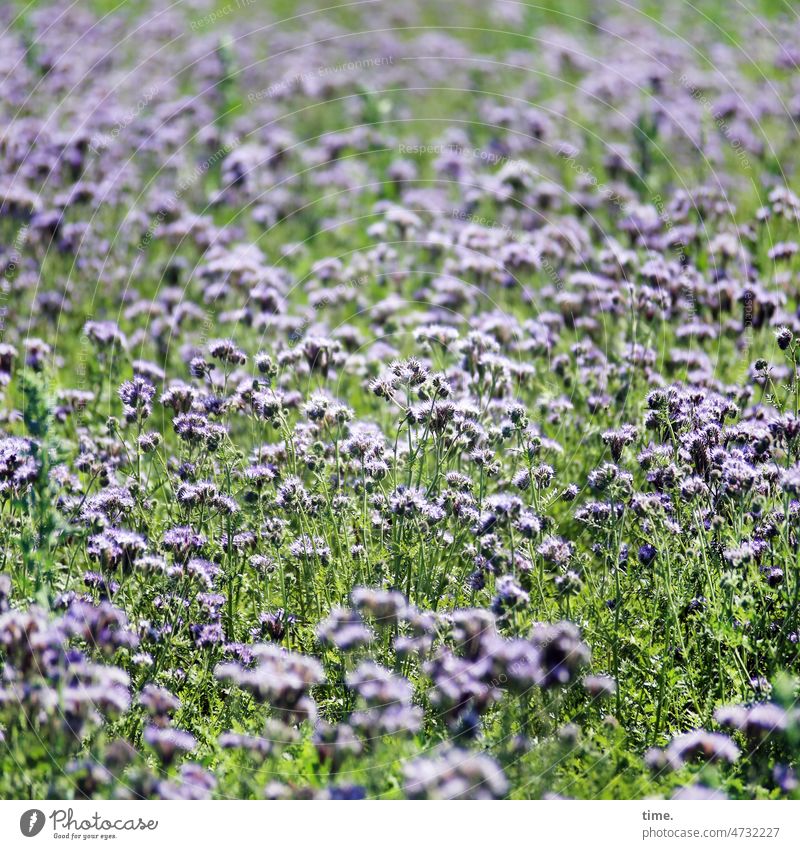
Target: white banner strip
x=559, y=824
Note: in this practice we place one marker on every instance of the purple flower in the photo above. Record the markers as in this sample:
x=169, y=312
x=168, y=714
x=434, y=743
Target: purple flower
x=701, y=745
x=182, y=541
x=455, y=774
x=158, y=702
x=344, y=630
x=647, y=554
x=169, y=743
x=137, y=396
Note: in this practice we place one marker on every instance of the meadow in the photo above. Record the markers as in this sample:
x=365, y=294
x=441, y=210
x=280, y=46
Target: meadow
x=399, y=401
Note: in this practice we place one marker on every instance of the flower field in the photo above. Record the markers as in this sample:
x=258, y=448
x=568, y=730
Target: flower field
x=399, y=401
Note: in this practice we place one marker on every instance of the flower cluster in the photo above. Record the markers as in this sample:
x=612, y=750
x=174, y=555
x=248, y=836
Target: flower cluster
x=346, y=454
